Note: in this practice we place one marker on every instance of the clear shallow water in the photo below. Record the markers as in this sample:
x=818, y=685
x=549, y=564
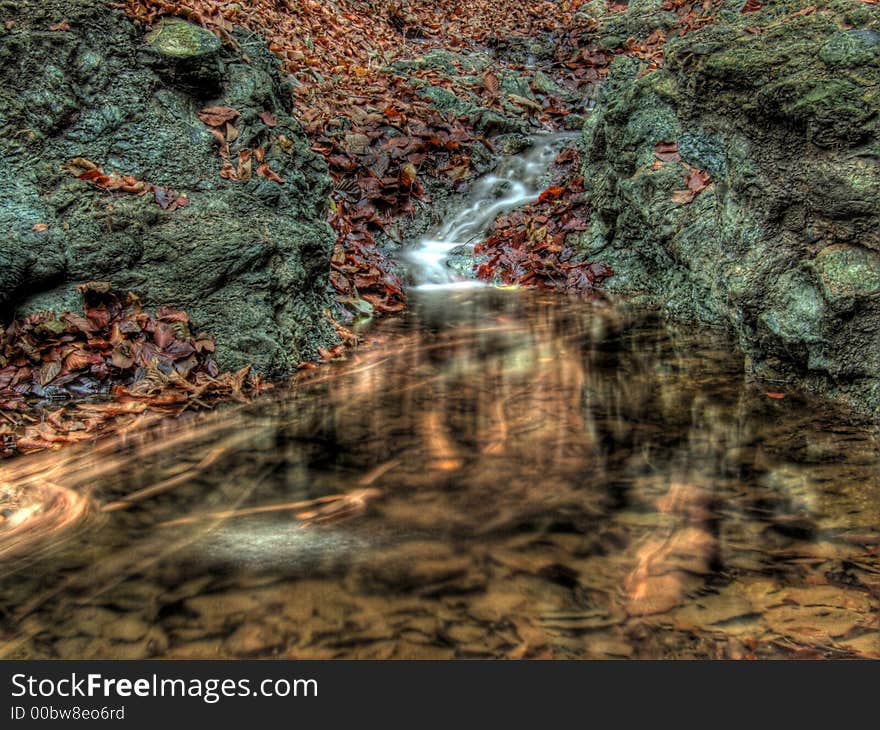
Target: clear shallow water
x=522, y=476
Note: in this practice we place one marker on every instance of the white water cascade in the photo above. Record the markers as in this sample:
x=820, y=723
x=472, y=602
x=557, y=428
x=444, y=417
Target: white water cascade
x=516, y=181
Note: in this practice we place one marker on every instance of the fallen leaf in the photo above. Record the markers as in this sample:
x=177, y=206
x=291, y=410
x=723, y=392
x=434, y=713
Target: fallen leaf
x=551, y=193
x=490, y=81
x=268, y=119
x=682, y=196
x=217, y=116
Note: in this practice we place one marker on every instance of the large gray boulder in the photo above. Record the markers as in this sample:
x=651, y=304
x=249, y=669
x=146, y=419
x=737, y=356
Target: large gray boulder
x=782, y=109
x=247, y=259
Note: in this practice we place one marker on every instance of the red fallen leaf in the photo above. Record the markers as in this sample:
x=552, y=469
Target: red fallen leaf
x=268, y=119
x=122, y=358
x=227, y=171
x=80, y=360
x=217, y=116
x=61, y=26
x=408, y=174
x=95, y=176
x=84, y=169
x=221, y=138
x=98, y=319
x=170, y=314
x=667, y=152
x=697, y=180
x=56, y=419
x=76, y=323
x=203, y=343
x=179, y=349
x=163, y=335
x=554, y=192
x=570, y=154
x=263, y=170
x=775, y=395
x=490, y=81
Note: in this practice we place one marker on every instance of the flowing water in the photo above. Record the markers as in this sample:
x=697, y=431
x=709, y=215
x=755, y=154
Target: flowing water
x=517, y=181
x=496, y=474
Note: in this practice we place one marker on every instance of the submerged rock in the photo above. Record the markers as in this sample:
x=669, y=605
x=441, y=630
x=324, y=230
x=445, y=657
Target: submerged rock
x=248, y=259
x=780, y=109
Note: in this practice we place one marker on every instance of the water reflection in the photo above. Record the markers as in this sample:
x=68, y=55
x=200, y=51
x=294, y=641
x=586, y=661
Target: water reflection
x=500, y=474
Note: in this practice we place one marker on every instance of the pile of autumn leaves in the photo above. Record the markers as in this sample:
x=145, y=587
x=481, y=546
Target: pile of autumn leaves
x=113, y=348
x=382, y=142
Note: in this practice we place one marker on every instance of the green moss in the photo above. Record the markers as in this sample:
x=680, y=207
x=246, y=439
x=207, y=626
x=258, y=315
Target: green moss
x=248, y=260
x=847, y=273
x=177, y=39
x=785, y=120
x=798, y=312
x=851, y=48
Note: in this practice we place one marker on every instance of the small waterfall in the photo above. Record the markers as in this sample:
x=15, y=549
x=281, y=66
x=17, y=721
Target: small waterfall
x=516, y=181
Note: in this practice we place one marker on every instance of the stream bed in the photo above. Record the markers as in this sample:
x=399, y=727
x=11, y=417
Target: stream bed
x=499, y=473
x=496, y=474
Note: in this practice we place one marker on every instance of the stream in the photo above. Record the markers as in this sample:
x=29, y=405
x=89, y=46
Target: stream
x=496, y=474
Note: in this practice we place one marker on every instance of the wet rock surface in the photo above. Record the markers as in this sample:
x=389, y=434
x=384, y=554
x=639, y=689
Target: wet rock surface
x=247, y=259
x=780, y=108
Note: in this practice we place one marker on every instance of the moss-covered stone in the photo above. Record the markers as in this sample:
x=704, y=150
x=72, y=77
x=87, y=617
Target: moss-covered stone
x=847, y=274
x=176, y=39
x=782, y=108
x=248, y=260
x=796, y=311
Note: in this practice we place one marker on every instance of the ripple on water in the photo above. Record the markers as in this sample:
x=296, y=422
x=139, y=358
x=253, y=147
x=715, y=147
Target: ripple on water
x=500, y=474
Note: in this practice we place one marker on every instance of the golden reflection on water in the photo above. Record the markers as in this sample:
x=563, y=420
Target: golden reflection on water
x=499, y=475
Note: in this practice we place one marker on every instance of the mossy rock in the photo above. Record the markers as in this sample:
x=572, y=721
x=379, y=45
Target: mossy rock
x=176, y=39
x=248, y=260
x=847, y=274
x=781, y=108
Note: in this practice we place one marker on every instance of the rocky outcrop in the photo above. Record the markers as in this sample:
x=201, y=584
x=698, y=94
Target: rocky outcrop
x=780, y=108
x=248, y=259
